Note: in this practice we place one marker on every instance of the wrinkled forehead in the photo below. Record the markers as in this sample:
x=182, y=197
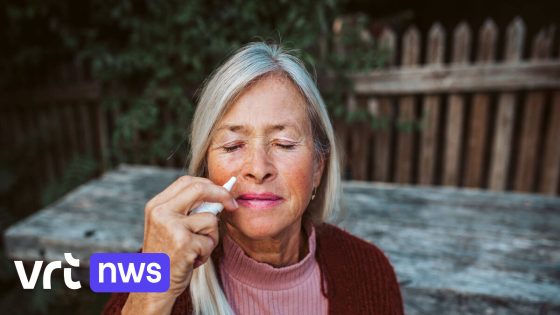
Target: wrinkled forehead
x=271, y=104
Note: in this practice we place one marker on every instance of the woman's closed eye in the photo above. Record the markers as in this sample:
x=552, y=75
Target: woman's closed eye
x=286, y=146
x=283, y=145
x=232, y=147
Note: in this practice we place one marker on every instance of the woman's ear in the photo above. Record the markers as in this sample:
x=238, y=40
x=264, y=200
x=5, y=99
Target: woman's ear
x=319, y=165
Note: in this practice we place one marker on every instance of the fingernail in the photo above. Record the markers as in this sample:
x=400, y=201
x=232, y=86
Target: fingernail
x=235, y=203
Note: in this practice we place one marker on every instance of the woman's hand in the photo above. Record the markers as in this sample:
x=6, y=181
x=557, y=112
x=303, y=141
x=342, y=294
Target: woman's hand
x=188, y=240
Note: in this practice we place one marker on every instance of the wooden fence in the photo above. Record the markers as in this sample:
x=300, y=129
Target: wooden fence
x=488, y=122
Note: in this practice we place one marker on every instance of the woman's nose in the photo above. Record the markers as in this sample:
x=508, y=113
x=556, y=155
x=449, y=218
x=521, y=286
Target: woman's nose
x=258, y=167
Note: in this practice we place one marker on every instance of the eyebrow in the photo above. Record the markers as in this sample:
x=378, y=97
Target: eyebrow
x=269, y=128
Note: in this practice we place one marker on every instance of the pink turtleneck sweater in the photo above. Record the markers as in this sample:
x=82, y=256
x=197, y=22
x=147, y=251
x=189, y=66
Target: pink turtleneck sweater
x=257, y=288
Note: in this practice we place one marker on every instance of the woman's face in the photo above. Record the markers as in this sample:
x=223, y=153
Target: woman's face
x=265, y=140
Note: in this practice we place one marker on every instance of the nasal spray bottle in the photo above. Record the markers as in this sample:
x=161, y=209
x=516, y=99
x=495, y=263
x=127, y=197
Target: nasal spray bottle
x=214, y=207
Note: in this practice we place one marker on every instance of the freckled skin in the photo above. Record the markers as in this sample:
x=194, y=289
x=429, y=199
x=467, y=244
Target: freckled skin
x=278, y=160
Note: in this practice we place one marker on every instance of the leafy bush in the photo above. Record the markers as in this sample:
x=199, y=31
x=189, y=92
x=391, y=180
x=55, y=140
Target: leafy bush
x=152, y=55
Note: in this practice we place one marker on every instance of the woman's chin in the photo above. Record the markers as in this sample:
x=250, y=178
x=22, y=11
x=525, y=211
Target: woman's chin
x=258, y=228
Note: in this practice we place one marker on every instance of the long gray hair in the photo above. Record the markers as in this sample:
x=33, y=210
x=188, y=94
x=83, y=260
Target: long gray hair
x=246, y=66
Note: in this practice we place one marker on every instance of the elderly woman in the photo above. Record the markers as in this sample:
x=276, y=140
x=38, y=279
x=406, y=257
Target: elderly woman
x=261, y=119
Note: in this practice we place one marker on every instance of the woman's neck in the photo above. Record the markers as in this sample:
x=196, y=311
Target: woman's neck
x=285, y=249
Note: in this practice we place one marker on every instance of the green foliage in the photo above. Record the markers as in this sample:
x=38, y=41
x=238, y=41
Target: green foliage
x=152, y=55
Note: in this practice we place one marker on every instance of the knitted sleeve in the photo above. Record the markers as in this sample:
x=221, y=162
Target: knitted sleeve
x=360, y=279
x=115, y=304
x=182, y=306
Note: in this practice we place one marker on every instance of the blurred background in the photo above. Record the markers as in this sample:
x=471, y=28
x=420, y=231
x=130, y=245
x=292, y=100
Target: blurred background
x=88, y=85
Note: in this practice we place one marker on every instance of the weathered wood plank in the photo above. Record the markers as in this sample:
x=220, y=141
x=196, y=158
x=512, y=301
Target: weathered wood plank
x=41, y=129
x=85, y=129
x=82, y=212
x=454, y=250
x=100, y=137
x=503, y=133
x=341, y=132
x=479, y=112
x=382, y=138
x=359, y=146
x=114, y=115
x=524, y=75
x=383, y=132
x=456, y=111
x=71, y=129
x=62, y=156
x=431, y=110
x=550, y=171
x=476, y=145
x=525, y=178
x=404, y=167
x=461, y=243
x=528, y=145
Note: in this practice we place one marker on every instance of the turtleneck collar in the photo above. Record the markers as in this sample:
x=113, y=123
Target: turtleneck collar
x=236, y=264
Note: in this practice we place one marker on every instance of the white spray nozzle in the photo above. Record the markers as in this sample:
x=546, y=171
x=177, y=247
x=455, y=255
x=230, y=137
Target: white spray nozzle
x=214, y=207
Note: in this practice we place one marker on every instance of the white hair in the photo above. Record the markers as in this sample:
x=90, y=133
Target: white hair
x=245, y=67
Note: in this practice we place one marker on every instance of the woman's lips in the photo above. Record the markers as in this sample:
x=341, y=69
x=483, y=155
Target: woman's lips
x=259, y=201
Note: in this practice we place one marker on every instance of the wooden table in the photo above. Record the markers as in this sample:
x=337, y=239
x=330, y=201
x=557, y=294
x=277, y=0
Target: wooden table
x=455, y=251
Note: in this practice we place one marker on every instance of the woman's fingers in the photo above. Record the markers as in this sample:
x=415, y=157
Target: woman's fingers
x=201, y=223
x=205, y=224
x=197, y=192
x=172, y=190
x=202, y=247
x=188, y=240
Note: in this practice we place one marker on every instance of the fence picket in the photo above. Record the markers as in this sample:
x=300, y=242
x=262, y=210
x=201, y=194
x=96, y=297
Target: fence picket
x=40, y=122
x=114, y=113
x=383, y=135
x=431, y=110
x=101, y=142
x=479, y=112
x=532, y=120
x=503, y=133
x=57, y=136
x=85, y=129
x=406, y=107
x=71, y=129
x=456, y=106
x=550, y=171
x=384, y=149
x=525, y=178
x=359, y=145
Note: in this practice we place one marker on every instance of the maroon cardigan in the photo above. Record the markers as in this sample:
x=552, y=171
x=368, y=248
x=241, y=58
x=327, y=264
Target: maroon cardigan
x=359, y=278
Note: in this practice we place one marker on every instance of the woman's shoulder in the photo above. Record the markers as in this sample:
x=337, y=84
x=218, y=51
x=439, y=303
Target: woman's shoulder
x=359, y=275
x=352, y=258
x=337, y=241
